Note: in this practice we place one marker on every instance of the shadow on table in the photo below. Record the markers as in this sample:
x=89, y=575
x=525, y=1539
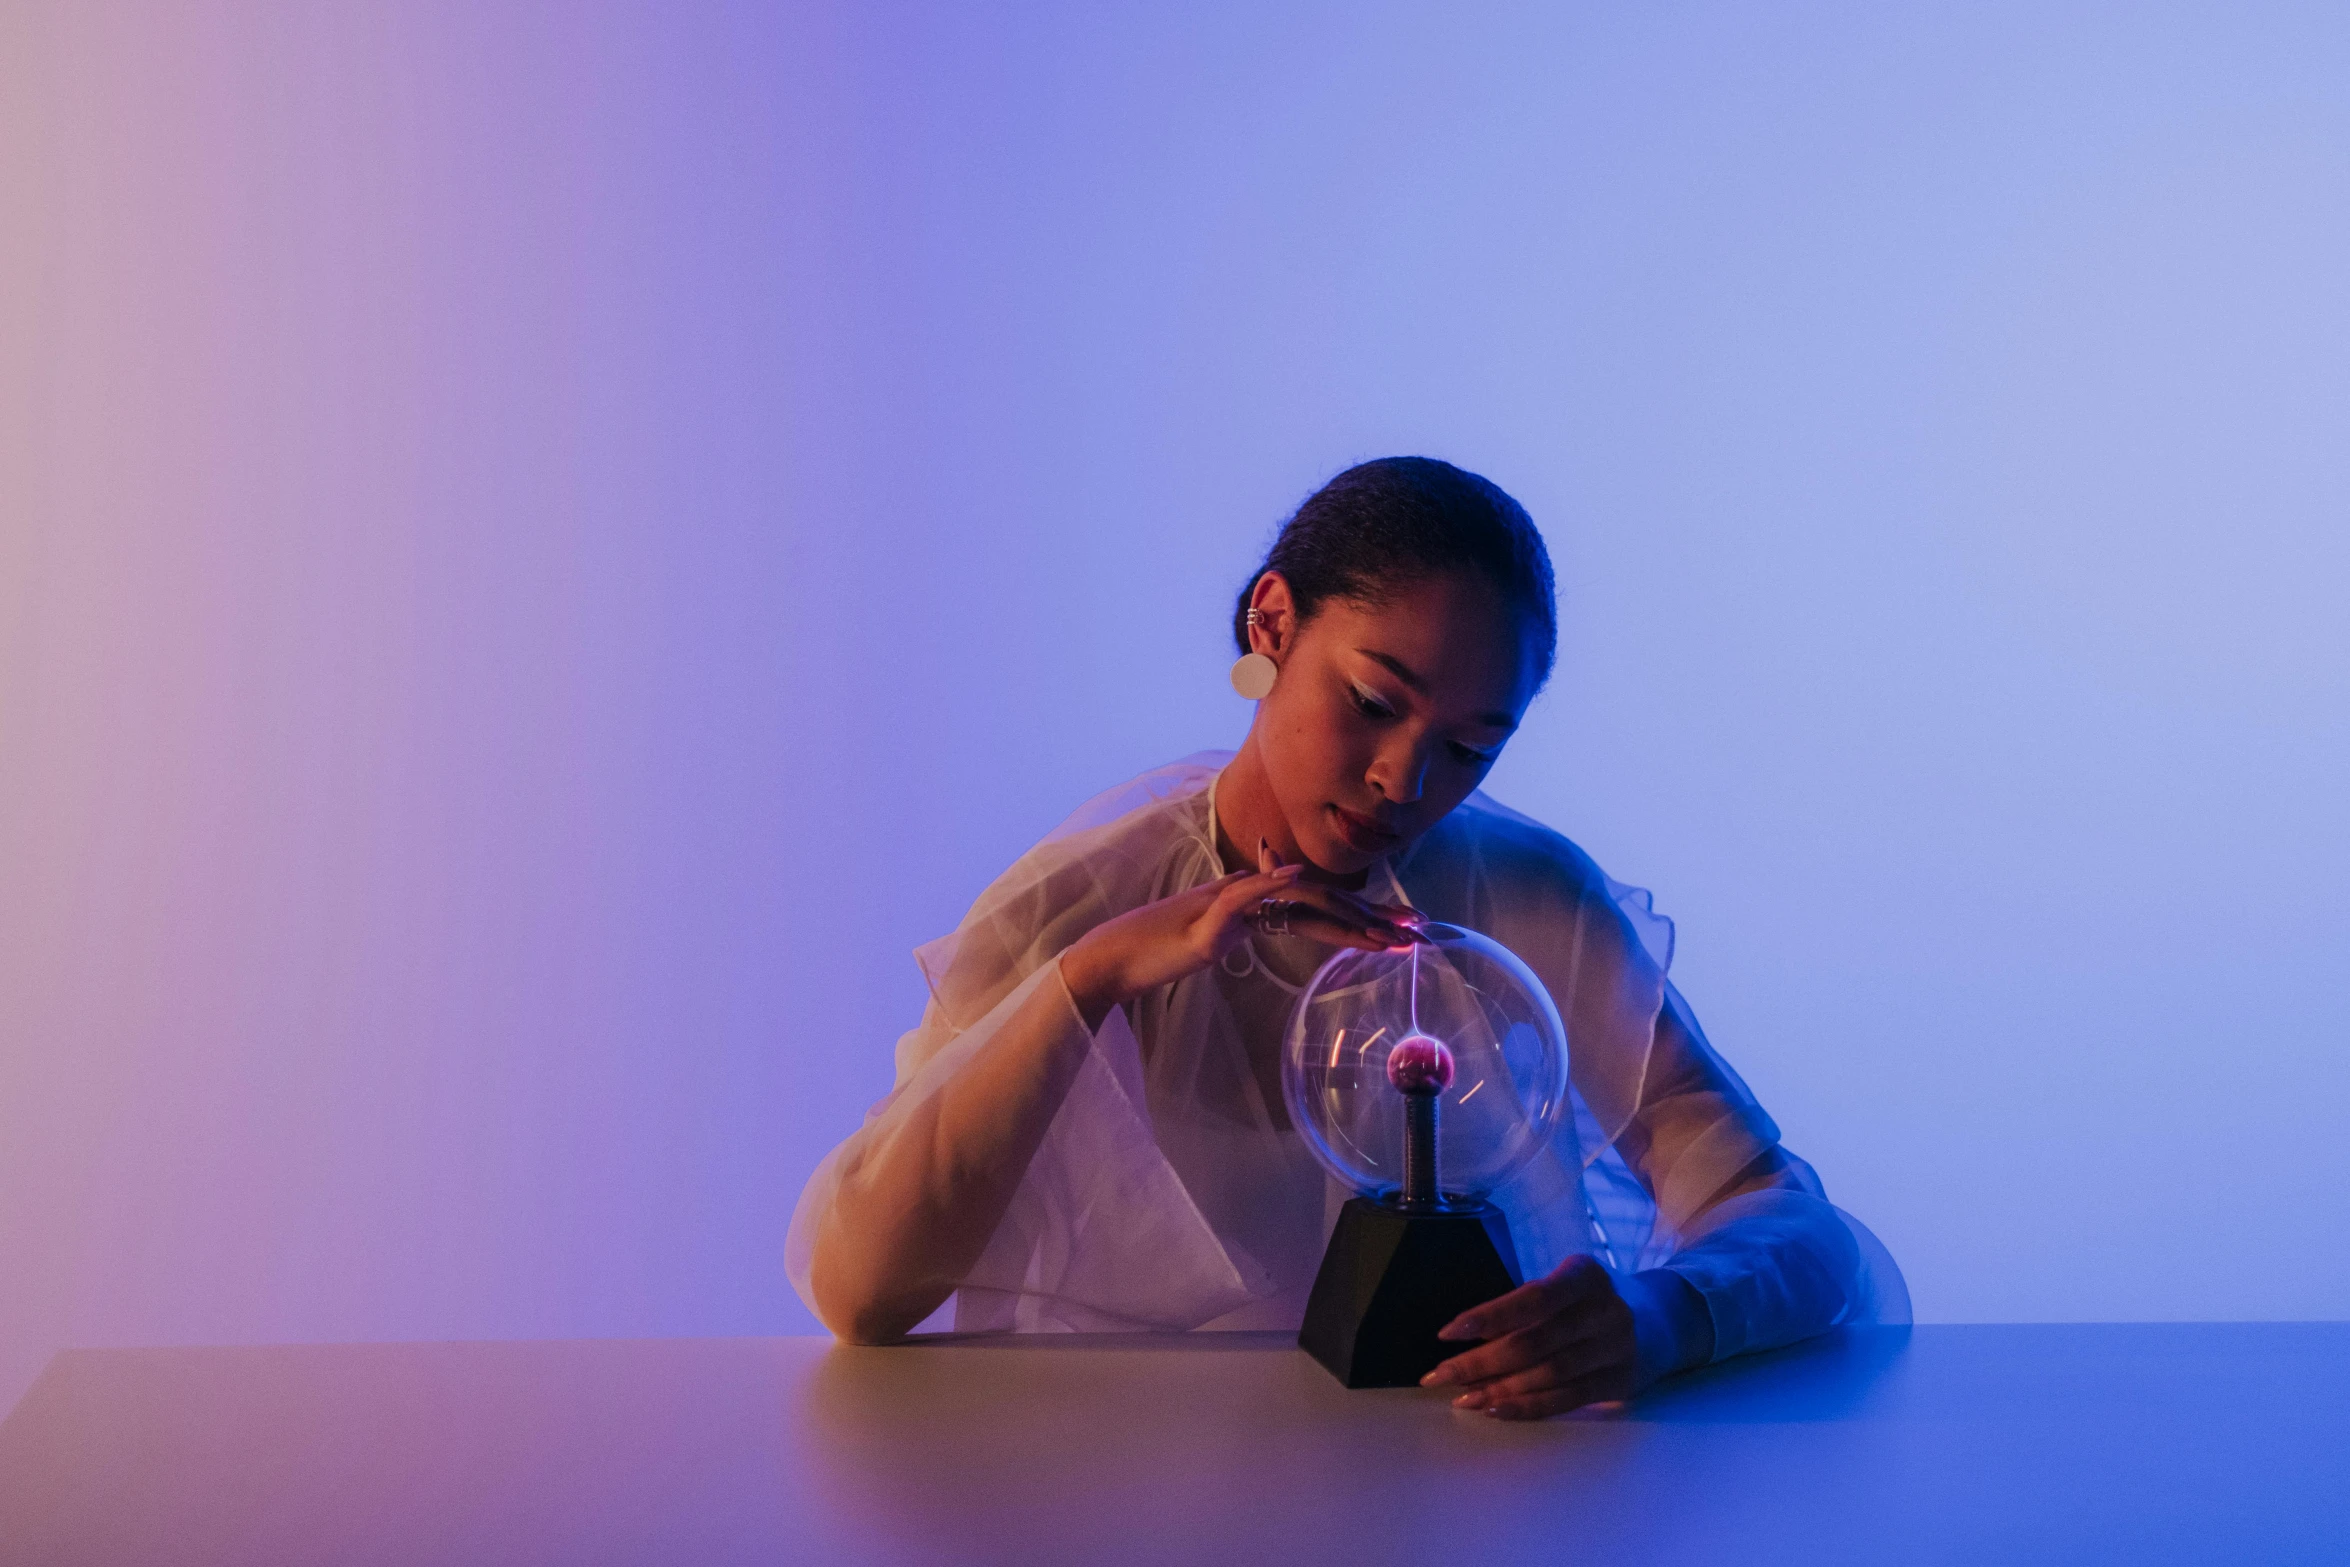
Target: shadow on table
x=960, y=1446
x=1837, y=1376
x=1125, y=1343
x=1840, y=1375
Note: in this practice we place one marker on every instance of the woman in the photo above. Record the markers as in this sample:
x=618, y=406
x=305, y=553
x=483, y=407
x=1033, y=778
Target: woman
x=1087, y=1131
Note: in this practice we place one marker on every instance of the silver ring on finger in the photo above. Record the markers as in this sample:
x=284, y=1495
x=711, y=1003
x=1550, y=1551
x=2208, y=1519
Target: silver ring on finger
x=1271, y=915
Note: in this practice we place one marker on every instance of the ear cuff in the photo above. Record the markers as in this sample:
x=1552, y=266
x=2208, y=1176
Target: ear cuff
x=1253, y=673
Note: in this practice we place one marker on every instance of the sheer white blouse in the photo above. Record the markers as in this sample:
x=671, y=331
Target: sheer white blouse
x=1170, y=1192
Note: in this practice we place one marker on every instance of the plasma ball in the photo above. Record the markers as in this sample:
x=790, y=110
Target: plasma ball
x=1419, y=1065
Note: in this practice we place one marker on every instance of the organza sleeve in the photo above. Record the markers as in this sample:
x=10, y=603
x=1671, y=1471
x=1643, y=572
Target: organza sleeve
x=1098, y=1234
x=1773, y=1259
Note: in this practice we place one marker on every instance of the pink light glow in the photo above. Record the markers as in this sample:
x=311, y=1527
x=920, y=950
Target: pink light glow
x=1420, y=1065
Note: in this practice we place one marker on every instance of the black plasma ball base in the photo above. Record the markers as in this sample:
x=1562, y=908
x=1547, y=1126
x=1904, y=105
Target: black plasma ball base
x=1395, y=1274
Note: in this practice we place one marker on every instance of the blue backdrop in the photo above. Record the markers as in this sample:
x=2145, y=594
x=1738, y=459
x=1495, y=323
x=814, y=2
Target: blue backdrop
x=547, y=547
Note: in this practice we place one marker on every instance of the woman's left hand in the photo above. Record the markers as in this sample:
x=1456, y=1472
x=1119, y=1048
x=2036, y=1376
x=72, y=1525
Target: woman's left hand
x=1571, y=1339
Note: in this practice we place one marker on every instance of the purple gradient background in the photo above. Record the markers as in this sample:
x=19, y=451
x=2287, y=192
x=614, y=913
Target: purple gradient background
x=543, y=548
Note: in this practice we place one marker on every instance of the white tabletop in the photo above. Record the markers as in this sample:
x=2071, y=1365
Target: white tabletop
x=2209, y=1443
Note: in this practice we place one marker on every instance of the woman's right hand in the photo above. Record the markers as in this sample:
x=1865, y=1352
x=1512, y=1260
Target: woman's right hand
x=1162, y=942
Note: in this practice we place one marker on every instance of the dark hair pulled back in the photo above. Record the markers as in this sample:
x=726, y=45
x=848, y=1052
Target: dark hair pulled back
x=1394, y=521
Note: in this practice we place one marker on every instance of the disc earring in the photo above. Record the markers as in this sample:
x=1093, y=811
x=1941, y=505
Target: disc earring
x=1252, y=676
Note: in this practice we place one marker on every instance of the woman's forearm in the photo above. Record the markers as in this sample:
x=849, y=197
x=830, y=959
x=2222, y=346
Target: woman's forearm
x=1672, y=1328
x=920, y=1191
x=1774, y=1266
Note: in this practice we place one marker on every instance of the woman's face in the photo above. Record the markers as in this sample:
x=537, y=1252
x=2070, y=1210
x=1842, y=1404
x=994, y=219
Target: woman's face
x=1386, y=716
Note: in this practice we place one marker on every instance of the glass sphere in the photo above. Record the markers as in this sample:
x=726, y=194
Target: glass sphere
x=1456, y=1017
